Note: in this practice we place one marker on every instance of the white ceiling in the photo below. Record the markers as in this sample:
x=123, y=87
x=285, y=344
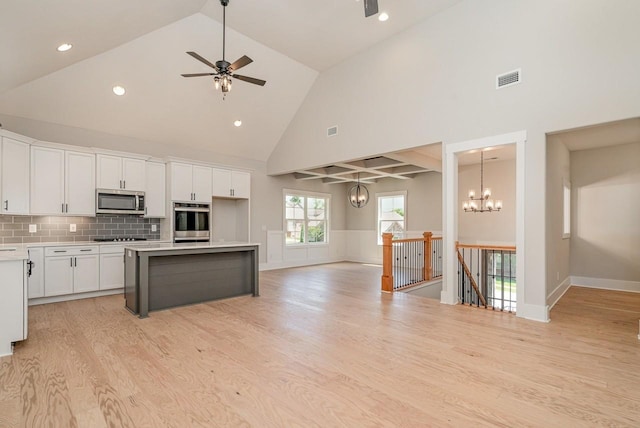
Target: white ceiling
x=141, y=45
x=472, y=157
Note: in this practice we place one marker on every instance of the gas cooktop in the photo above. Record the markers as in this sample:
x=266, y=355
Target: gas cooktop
x=119, y=239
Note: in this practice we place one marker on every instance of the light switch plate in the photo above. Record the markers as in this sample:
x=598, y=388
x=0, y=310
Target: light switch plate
x=72, y=227
x=33, y=228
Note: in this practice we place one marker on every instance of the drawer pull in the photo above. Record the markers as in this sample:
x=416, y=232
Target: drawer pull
x=89, y=249
x=59, y=251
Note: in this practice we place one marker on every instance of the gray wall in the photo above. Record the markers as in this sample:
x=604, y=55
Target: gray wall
x=15, y=229
x=424, y=203
x=605, y=231
x=558, y=248
x=495, y=227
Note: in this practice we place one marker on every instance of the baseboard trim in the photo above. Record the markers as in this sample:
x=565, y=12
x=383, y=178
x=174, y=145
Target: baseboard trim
x=67, y=297
x=538, y=313
x=606, y=284
x=557, y=294
x=294, y=264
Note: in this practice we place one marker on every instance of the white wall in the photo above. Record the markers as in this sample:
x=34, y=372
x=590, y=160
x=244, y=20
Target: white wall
x=605, y=229
x=499, y=227
x=568, y=51
x=557, y=248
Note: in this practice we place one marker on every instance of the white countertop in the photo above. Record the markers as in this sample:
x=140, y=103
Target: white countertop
x=13, y=252
x=191, y=245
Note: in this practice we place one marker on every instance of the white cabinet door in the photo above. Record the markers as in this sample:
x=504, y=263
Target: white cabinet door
x=240, y=184
x=12, y=315
x=181, y=182
x=109, y=172
x=80, y=188
x=58, y=273
x=133, y=174
x=155, y=193
x=221, y=183
x=15, y=177
x=202, y=184
x=86, y=273
x=36, y=280
x=47, y=181
x=111, y=271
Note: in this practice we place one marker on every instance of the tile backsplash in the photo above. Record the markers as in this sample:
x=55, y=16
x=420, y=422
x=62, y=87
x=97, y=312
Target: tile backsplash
x=14, y=229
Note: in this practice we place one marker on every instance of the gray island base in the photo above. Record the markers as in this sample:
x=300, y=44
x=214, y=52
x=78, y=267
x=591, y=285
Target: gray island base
x=169, y=275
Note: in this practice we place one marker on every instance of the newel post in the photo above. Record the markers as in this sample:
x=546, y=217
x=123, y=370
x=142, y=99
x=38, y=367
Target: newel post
x=428, y=252
x=387, y=262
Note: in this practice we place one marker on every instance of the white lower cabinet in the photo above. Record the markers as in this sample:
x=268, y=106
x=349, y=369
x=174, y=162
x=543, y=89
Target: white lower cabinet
x=36, y=272
x=13, y=308
x=70, y=270
x=111, y=267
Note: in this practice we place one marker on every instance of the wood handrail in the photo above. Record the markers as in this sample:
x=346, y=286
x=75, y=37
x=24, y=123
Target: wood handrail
x=487, y=247
x=470, y=276
x=413, y=239
x=387, y=257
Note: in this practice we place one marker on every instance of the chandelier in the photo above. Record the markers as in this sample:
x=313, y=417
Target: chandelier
x=359, y=195
x=483, y=203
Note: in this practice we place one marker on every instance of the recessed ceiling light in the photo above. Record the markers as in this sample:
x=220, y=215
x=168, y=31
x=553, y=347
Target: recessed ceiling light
x=383, y=16
x=119, y=90
x=64, y=47
x=237, y=123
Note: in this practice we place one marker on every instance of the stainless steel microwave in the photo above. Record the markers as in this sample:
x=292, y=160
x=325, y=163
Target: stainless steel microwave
x=119, y=202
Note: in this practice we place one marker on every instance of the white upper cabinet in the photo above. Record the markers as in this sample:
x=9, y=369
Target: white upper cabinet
x=202, y=184
x=181, y=182
x=231, y=184
x=80, y=184
x=115, y=172
x=47, y=181
x=62, y=182
x=15, y=176
x=155, y=194
x=190, y=182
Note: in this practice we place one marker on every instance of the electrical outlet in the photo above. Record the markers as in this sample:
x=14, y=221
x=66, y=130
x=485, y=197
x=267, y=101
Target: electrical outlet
x=72, y=227
x=154, y=227
x=33, y=228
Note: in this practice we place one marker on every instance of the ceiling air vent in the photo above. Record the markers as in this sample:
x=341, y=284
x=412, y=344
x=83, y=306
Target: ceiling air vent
x=508, y=79
x=332, y=131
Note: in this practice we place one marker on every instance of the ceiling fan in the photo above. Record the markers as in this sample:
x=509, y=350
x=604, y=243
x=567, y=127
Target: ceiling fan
x=224, y=69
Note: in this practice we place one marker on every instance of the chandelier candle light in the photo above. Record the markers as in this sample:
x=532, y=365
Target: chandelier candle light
x=359, y=195
x=486, y=204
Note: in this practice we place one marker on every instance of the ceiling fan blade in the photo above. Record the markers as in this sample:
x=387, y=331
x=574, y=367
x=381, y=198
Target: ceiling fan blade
x=199, y=58
x=241, y=62
x=370, y=7
x=198, y=74
x=250, y=79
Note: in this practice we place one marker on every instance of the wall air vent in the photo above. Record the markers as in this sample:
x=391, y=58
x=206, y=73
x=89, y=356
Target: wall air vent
x=509, y=79
x=333, y=131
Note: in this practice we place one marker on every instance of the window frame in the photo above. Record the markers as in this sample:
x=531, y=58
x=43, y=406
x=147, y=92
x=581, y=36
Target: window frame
x=402, y=193
x=306, y=195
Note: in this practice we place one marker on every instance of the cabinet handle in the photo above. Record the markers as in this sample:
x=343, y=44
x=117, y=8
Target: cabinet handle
x=71, y=262
x=145, y=210
x=59, y=251
x=124, y=184
x=63, y=207
x=87, y=249
x=6, y=205
x=66, y=208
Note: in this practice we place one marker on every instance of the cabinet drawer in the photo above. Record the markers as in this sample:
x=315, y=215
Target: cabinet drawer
x=112, y=249
x=70, y=251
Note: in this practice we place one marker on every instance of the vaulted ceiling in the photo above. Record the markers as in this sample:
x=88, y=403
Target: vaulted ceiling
x=141, y=45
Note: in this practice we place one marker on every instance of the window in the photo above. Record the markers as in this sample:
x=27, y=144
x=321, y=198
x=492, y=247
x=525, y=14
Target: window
x=392, y=214
x=566, y=209
x=306, y=218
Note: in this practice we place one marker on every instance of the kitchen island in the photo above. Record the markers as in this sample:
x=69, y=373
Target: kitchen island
x=175, y=274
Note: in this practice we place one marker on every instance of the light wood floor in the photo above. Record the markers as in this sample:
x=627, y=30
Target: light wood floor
x=322, y=347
